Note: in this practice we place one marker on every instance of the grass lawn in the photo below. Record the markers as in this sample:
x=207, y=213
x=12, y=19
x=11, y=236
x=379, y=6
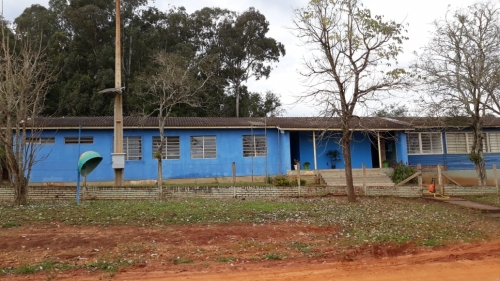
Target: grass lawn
x=493, y=200
x=370, y=220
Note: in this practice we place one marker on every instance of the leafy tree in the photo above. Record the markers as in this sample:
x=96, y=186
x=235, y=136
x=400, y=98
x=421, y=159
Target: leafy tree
x=461, y=69
x=247, y=51
x=350, y=64
x=79, y=36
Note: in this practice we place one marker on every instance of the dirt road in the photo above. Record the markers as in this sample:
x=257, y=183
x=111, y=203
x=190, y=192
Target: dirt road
x=284, y=251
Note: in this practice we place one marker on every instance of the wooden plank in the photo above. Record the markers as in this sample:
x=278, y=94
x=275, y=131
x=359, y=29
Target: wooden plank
x=408, y=179
x=450, y=179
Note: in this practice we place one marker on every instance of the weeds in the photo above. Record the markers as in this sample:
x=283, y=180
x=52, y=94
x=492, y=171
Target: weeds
x=273, y=257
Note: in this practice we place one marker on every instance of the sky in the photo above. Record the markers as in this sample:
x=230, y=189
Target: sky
x=285, y=79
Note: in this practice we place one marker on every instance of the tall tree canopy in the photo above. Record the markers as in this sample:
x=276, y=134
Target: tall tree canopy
x=79, y=36
x=348, y=67
x=460, y=67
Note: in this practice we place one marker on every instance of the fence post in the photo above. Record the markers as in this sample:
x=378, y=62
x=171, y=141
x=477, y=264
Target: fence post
x=495, y=176
x=419, y=169
x=364, y=178
x=440, y=180
x=298, y=175
x=234, y=179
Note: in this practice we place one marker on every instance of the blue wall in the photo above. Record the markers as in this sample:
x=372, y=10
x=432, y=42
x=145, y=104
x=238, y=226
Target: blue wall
x=360, y=150
x=61, y=159
x=453, y=161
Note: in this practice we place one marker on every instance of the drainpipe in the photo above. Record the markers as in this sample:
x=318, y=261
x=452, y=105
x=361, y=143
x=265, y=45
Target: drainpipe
x=314, y=150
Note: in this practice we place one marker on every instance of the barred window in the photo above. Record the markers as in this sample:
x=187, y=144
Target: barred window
x=74, y=140
x=41, y=140
x=203, y=147
x=425, y=143
x=255, y=145
x=461, y=143
x=132, y=147
x=171, y=149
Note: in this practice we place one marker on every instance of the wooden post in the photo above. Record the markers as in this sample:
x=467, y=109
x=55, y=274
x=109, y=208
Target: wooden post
x=440, y=180
x=495, y=176
x=298, y=175
x=364, y=178
x=419, y=170
x=234, y=179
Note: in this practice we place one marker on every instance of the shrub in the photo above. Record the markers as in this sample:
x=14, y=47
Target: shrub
x=294, y=182
x=402, y=172
x=281, y=180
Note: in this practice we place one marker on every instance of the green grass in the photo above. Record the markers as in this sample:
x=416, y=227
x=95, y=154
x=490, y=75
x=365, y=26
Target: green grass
x=493, y=200
x=226, y=259
x=51, y=266
x=301, y=247
x=370, y=220
x=10, y=224
x=273, y=257
x=47, y=266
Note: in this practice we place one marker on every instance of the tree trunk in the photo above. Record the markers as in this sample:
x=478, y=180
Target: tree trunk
x=160, y=179
x=237, y=96
x=477, y=155
x=481, y=171
x=21, y=191
x=346, y=152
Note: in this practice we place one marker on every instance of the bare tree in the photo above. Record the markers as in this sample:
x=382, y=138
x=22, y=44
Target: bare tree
x=350, y=63
x=174, y=81
x=461, y=70
x=24, y=81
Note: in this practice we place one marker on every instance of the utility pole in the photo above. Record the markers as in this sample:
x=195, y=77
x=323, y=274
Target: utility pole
x=119, y=161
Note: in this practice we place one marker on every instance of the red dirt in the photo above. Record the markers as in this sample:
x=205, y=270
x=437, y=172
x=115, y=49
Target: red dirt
x=236, y=252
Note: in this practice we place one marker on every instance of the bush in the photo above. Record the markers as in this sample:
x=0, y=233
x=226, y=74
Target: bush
x=402, y=172
x=294, y=182
x=281, y=180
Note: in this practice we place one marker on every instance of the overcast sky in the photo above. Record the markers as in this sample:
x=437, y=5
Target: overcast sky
x=285, y=79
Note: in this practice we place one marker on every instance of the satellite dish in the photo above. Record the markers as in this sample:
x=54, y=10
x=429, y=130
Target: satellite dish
x=88, y=162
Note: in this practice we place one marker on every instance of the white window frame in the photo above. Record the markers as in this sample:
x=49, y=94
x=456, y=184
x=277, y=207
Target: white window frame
x=132, y=147
x=83, y=140
x=467, y=142
x=203, y=147
x=254, y=145
x=421, y=150
x=493, y=142
x=172, y=148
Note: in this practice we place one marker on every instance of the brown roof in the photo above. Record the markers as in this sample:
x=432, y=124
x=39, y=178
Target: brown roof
x=448, y=122
x=287, y=123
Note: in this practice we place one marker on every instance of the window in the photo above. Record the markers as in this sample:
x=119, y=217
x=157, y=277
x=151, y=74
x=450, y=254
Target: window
x=132, y=147
x=461, y=143
x=494, y=141
x=74, y=140
x=425, y=143
x=255, y=145
x=171, y=148
x=40, y=140
x=203, y=147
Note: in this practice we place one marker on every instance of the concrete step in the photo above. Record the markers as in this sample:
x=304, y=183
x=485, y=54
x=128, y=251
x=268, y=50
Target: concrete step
x=373, y=177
